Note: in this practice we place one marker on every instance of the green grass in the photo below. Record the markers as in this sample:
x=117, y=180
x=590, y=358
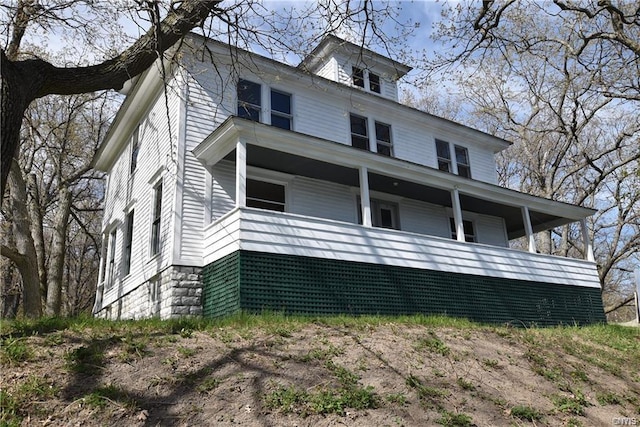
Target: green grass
x=102, y=396
x=433, y=344
x=450, y=419
x=14, y=351
x=526, y=413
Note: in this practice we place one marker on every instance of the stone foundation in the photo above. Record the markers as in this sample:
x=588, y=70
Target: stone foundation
x=174, y=292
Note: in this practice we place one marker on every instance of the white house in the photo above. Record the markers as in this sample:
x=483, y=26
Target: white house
x=236, y=182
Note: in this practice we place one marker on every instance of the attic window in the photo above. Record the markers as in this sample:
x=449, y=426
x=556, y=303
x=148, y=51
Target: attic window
x=357, y=75
x=249, y=100
x=374, y=83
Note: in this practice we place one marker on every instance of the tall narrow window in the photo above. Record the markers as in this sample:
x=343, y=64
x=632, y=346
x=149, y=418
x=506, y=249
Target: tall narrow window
x=265, y=195
x=281, y=109
x=374, y=83
x=444, y=155
x=357, y=75
x=128, y=242
x=359, y=135
x=111, y=276
x=383, y=139
x=249, y=100
x=462, y=161
x=384, y=214
x=469, y=235
x=135, y=149
x=105, y=253
x=157, y=216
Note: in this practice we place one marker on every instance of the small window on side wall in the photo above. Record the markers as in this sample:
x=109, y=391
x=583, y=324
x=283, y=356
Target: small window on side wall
x=157, y=219
x=359, y=135
x=128, y=244
x=462, y=161
x=444, y=155
x=281, y=110
x=383, y=139
x=357, y=76
x=135, y=149
x=374, y=83
x=469, y=234
x=265, y=195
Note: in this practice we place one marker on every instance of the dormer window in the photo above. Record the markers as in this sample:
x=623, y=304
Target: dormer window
x=365, y=79
x=357, y=74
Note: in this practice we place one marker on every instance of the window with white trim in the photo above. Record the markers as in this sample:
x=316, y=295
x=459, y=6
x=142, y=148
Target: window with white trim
x=469, y=233
x=460, y=154
x=135, y=149
x=128, y=243
x=359, y=134
x=156, y=219
x=444, y=155
x=357, y=76
x=249, y=100
x=281, y=110
x=383, y=139
x=266, y=195
x=365, y=79
x=462, y=161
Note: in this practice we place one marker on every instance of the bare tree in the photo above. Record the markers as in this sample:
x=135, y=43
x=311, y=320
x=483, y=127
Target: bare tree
x=561, y=80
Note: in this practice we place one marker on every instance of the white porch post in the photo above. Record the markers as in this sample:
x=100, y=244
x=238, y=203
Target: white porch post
x=241, y=174
x=365, y=201
x=457, y=214
x=526, y=218
x=588, y=246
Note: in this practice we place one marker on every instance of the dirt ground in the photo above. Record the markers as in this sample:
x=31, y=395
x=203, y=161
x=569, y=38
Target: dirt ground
x=409, y=375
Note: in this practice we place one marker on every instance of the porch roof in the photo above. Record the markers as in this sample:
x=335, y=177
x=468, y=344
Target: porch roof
x=294, y=153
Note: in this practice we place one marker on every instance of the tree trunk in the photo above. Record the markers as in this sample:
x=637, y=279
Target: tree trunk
x=24, y=253
x=57, y=252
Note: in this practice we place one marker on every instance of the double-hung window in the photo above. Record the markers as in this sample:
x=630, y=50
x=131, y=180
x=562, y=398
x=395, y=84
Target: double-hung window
x=249, y=100
x=383, y=139
x=374, y=82
x=357, y=76
x=281, y=110
x=265, y=195
x=384, y=214
x=111, y=275
x=365, y=80
x=156, y=219
x=462, y=165
x=359, y=135
x=128, y=243
x=469, y=234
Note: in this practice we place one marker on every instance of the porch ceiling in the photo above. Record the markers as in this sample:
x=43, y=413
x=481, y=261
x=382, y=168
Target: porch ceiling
x=297, y=154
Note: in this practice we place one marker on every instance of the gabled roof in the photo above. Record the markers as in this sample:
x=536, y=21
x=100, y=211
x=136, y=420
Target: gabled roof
x=331, y=44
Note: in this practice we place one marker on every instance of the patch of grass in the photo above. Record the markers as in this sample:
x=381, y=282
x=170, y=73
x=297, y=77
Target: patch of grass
x=572, y=404
x=85, y=359
x=465, y=384
x=574, y=422
x=133, y=348
x=608, y=398
x=208, y=384
x=186, y=351
x=526, y=413
x=433, y=344
x=15, y=405
x=449, y=419
x=490, y=363
x=397, y=398
x=14, y=351
x=322, y=353
x=424, y=392
x=579, y=374
x=10, y=415
x=100, y=397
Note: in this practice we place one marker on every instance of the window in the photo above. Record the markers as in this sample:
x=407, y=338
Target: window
x=280, y=109
x=111, y=276
x=157, y=215
x=463, y=166
x=444, y=155
x=374, y=83
x=359, y=135
x=249, y=100
x=462, y=161
x=265, y=195
x=128, y=241
x=384, y=214
x=357, y=74
x=135, y=149
x=105, y=251
x=383, y=139
x=469, y=235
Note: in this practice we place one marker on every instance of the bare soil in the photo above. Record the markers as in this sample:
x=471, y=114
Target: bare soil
x=417, y=375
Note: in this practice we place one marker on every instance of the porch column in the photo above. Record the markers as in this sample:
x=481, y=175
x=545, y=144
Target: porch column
x=588, y=246
x=365, y=201
x=457, y=214
x=526, y=218
x=241, y=174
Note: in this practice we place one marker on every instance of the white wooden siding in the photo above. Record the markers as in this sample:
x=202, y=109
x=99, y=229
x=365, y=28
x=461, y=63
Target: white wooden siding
x=312, y=197
x=272, y=232
x=223, y=189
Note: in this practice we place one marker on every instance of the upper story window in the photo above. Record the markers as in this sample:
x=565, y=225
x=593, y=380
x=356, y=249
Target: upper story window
x=469, y=234
x=359, y=135
x=281, y=109
x=365, y=79
x=249, y=100
x=156, y=219
x=265, y=195
x=462, y=164
x=135, y=149
x=128, y=244
x=383, y=139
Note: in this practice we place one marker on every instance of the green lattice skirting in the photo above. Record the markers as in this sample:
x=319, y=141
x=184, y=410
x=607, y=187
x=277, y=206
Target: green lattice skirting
x=255, y=281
